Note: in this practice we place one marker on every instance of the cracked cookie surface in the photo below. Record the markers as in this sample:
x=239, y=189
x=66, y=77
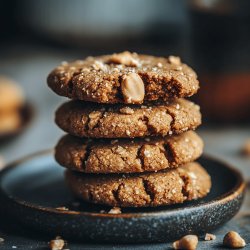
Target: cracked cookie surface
x=185, y=183
x=126, y=155
x=85, y=119
x=124, y=78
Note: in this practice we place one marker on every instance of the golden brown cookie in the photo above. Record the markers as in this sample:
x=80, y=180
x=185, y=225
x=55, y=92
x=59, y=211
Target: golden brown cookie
x=128, y=156
x=124, y=78
x=9, y=121
x=11, y=95
x=188, y=182
x=86, y=119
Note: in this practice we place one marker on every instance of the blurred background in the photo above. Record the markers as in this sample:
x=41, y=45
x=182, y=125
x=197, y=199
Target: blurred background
x=212, y=36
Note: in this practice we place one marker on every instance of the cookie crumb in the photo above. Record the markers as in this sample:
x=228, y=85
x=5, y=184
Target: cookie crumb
x=174, y=60
x=57, y=244
x=98, y=65
x=159, y=65
x=115, y=210
x=128, y=133
x=209, y=237
x=62, y=208
x=188, y=242
x=233, y=240
x=246, y=148
x=127, y=110
x=147, y=153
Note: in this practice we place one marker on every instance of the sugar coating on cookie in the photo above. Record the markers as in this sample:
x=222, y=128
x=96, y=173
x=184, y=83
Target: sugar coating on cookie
x=128, y=156
x=188, y=182
x=124, y=78
x=85, y=119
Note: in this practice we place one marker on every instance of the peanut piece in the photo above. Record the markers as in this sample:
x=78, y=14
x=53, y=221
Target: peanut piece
x=56, y=244
x=94, y=118
x=125, y=58
x=174, y=60
x=133, y=89
x=188, y=242
x=233, y=240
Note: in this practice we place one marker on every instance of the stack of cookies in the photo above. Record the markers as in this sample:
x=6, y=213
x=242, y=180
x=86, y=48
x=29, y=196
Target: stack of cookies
x=130, y=140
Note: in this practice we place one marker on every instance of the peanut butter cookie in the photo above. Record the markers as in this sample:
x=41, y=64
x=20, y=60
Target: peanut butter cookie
x=11, y=95
x=188, y=182
x=10, y=122
x=124, y=78
x=86, y=119
x=126, y=156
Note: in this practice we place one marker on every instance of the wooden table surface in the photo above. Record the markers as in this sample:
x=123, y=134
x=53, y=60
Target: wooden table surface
x=30, y=70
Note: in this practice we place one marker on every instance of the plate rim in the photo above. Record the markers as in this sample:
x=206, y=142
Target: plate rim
x=239, y=188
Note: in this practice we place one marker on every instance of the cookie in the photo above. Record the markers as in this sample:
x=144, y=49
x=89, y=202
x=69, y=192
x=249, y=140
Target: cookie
x=9, y=122
x=11, y=95
x=188, y=182
x=126, y=156
x=86, y=119
x=124, y=78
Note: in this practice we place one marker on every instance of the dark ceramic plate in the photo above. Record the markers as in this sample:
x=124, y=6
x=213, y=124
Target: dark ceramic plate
x=26, y=113
x=32, y=189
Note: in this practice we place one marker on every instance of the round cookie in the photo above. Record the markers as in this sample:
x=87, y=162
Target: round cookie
x=86, y=119
x=11, y=95
x=188, y=182
x=9, y=121
x=124, y=78
x=126, y=156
